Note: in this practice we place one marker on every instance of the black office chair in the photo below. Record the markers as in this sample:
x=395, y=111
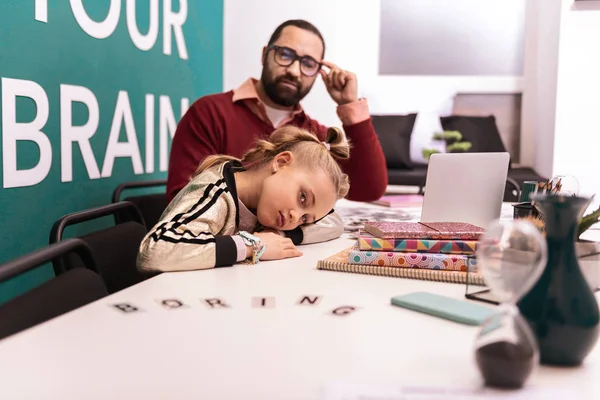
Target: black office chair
x=115, y=248
x=512, y=191
x=72, y=289
x=151, y=206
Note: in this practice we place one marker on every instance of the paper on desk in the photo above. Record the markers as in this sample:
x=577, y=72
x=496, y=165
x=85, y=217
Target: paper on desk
x=355, y=217
x=357, y=391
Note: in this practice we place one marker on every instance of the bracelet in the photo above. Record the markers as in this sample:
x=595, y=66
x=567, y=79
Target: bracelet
x=258, y=248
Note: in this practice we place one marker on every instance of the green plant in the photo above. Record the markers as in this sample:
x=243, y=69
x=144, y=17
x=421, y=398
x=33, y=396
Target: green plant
x=453, y=140
x=448, y=136
x=588, y=220
x=458, y=146
x=428, y=152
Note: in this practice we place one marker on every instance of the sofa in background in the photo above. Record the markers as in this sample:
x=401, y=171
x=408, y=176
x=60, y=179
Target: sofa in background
x=394, y=132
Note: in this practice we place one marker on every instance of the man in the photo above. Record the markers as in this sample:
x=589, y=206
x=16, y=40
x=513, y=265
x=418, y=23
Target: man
x=230, y=122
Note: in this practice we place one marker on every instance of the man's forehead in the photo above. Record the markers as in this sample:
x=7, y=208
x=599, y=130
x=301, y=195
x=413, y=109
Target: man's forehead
x=304, y=42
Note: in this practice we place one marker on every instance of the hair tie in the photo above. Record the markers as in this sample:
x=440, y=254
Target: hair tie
x=327, y=145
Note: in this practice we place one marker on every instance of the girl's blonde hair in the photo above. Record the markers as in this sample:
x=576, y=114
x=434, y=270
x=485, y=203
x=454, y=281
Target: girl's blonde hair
x=305, y=146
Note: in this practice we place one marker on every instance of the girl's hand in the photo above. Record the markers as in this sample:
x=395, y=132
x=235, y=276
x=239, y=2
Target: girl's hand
x=278, y=247
x=271, y=230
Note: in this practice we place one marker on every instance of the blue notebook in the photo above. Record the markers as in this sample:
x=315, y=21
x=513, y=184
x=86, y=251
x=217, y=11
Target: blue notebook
x=461, y=311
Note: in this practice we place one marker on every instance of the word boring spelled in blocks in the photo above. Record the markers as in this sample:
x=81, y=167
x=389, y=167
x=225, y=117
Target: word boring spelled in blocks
x=217, y=303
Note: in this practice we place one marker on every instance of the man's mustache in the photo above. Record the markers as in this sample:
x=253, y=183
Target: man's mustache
x=289, y=79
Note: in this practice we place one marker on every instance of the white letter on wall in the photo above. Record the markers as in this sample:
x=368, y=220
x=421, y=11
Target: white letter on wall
x=12, y=131
x=129, y=148
x=149, y=133
x=41, y=10
x=176, y=20
x=80, y=134
x=166, y=129
x=98, y=30
x=185, y=104
x=142, y=42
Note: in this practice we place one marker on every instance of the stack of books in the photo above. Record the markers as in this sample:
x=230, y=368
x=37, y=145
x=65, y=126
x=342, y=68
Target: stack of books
x=428, y=251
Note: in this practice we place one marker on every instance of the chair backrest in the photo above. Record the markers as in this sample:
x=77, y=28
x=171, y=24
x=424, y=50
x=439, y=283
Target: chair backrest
x=71, y=290
x=512, y=191
x=151, y=206
x=114, y=249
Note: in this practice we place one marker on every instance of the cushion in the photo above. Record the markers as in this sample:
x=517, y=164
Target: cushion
x=408, y=177
x=482, y=132
x=394, y=133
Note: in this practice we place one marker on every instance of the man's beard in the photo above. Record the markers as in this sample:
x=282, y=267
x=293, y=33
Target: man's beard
x=284, y=99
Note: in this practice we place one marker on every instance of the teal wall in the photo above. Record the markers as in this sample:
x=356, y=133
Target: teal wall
x=46, y=44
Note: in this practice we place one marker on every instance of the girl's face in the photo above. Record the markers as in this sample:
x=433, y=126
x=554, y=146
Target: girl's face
x=293, y=195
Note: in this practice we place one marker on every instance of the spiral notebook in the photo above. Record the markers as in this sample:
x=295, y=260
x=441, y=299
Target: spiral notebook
x=339, y=262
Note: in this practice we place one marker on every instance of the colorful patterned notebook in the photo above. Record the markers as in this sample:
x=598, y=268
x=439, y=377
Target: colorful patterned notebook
x=450, y=262
x=339, y=262
x=422, y=230
x=368, y=242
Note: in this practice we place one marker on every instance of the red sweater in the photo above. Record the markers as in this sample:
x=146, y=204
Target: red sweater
x=215, y=124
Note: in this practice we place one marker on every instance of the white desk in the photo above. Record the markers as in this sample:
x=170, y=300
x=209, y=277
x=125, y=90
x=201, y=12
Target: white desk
x=289, y=351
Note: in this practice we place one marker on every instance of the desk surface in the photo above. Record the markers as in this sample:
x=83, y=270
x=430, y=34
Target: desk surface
x=285, y=350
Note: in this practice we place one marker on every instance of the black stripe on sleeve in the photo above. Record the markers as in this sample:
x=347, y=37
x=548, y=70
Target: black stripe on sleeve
x=296, y=235
x=225, y=251
x=192, y=213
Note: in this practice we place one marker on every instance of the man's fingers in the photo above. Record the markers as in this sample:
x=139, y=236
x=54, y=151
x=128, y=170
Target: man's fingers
x=329, y=65
x=335, y=79
x=326, y=77
x=341, y=79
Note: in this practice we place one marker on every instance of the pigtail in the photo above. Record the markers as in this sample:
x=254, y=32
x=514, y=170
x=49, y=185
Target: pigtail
x=339, y=147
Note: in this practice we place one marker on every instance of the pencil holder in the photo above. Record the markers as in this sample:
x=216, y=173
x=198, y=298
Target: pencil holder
x=526, y=210
x=527, y=190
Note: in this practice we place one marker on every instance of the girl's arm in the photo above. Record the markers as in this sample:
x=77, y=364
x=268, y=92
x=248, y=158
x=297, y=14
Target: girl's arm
x=187, y=237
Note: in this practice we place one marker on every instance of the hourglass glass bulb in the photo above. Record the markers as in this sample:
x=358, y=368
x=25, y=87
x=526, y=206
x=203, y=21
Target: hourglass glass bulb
x=511, y=256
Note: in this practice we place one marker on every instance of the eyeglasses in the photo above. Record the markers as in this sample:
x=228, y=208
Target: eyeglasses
x=285, y=57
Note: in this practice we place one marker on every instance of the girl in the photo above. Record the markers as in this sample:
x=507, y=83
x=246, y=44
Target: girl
x=291, y=181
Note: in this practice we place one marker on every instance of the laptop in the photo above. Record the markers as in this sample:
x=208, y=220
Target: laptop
x=465, y=187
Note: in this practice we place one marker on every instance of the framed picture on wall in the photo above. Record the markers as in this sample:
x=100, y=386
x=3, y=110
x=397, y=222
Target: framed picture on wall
x=452, y=38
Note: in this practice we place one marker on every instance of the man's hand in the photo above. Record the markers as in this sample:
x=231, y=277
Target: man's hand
x=278, y=247
x=341, y=85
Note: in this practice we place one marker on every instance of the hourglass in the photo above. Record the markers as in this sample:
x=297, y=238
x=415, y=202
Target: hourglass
x=511, y=257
